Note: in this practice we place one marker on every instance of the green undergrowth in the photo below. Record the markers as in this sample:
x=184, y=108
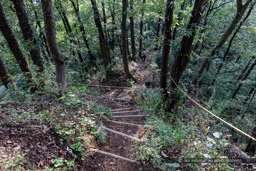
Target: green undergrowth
x=76, y=121
x=186, y=134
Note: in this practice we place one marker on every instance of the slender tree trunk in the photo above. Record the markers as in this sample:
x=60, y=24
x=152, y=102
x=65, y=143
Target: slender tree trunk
x=244, y=78
x=141, y=30
x=14, y=46
x=41, y=33
x=182, y=57
x=178, y=20
x=251, y=147
x=232, y=39
x=66, y=24
x=4, y=75
x=157, y=39
x=124, y=39
x=240, y=12
x=53, y=44
x=82, y=29
x=29, y=34
x=103, y=43
x=113, y=26
x=166, y=44
x=132, y=32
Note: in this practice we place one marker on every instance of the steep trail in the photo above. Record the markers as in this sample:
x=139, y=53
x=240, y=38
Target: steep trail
x=123, y=132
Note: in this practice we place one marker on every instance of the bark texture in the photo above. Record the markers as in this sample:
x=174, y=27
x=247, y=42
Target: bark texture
x=183, y=56
x=14, y=46
x=53, y=44
x=166, y=44
x=29, y=34
x=124, y=39
x=132, y=32
x=103, y=43
x=4, y=75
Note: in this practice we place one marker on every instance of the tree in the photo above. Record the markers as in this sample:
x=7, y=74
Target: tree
x=232, y=39
x=166, y=44
x=29, y=34
x=4, y=75
x=53, y=44
x=182, y=58
x=82, y=29
x=141, y=29
x=124, y=39
x=103, y=43
x=14, y=46
x=239, y=13
x=244, y=78
x=132, y=31
x=41, y=33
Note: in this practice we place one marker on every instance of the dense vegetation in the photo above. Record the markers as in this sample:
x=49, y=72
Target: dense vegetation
x=53, y=51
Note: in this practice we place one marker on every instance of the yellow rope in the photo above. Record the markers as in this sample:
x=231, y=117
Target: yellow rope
x=190, y=98
x=106, y=86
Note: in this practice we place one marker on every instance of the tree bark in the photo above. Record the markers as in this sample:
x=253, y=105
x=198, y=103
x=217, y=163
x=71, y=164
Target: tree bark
x=53, y=44
x=41, y=33
x=4, y=75
x=124, y=39
x=141, y=29
x=132, y=32
x=166, y=44
x=103, y=43
x=232, y=39
x=14, y=46
x=29, y=34
x=81, y=28
x=182, y=57
x=113, y=26
x=244, y=78
x=240, y=12
x=178, y=20
x=157, y=39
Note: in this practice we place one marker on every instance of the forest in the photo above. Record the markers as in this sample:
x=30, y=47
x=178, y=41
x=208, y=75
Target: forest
x=127, y=85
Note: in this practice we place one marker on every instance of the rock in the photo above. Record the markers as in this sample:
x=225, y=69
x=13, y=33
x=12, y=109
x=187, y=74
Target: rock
x=4, y=156
x=163, y=154
x=9, y=142
x=17, y=148
x=2, y=89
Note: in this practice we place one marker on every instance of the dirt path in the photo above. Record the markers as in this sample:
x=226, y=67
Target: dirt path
x=123, y=131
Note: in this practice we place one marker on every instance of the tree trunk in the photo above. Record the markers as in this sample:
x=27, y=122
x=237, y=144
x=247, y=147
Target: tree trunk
x=29, y=34
x=53, y=44
x=244, y=78
x=178, y=20
x=132, y=32
x=14, y=46
x=240, y=12
x=157, y=39
x=41, y=33
x=231, y=40
x=251, y=147
x=141, y=30
x=124, y=39
x=182, y=57
x=103, y=43
x=81, y=28
x=113, y=26
x=166, y=44
x=4, y=75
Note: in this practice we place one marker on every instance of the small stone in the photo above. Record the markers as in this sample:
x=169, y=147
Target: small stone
x=17, y=148
x=8, y=142
x=4, y=156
